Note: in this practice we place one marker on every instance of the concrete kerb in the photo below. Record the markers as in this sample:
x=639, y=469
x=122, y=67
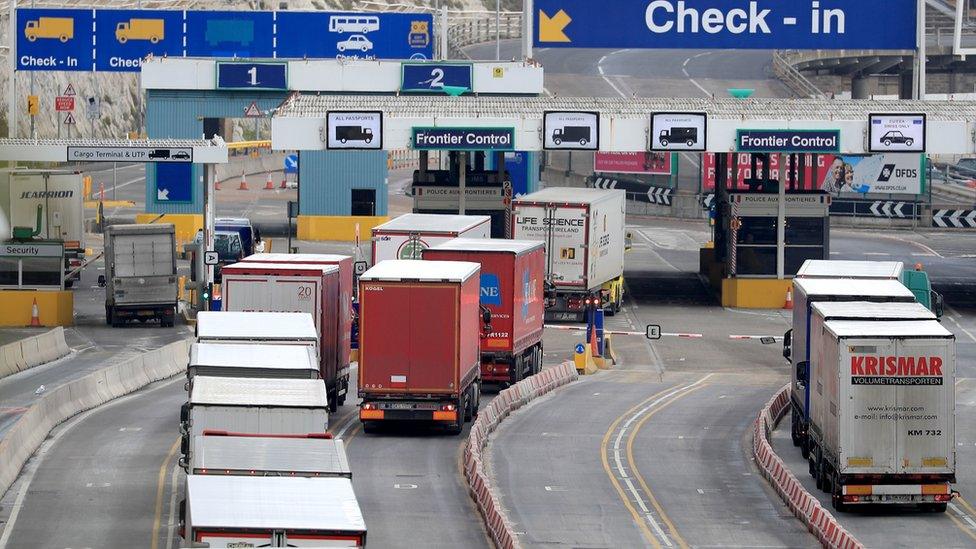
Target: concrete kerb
x=33, y=351
x=56, y=406
x=801, y=503
x=489, y=504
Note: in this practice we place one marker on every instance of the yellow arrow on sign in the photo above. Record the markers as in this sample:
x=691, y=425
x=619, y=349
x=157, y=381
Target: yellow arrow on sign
x=551, y=28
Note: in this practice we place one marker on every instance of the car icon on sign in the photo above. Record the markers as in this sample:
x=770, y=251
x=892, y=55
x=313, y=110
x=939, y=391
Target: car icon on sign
x=355, y=42
x=896, y=137
x=181, y=155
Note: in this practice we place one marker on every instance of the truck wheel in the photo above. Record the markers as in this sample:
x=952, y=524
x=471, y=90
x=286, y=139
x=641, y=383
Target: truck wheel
x=665, y=142
x=556, y=141
x=458, y=425
x=805, y=447
x=836, y=499
x=583, y=142
x=537, y=359
x=68, y=283
x=934, y=507
x=690, y=142
x=332, y=395
x=477, y=399
x=369, y=427
x=826, y=476
x=469, y=407
x=794, y=428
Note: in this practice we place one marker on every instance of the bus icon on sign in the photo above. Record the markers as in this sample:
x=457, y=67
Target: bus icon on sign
x=354, y=23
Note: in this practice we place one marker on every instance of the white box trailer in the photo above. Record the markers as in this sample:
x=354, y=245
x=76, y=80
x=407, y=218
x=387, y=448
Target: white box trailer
x=407, y=236
x=883, y=428
x=250, y=511
x=240, y=360
x=253, y=405
x=806, y=292
x=59, y=195
x=878, y=270
x=257, y=328
x=584, y=234
x=267, y=455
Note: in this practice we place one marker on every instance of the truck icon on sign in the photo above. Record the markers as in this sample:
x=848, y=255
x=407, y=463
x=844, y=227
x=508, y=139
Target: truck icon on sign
x=160, y=154
x=140, y=29
x=354, y=133
x=60, y=28
x=677, y=135
x=229, y=31
x=571, y=134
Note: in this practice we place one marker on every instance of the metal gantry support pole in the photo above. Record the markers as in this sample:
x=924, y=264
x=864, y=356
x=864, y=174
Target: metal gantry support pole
x=12, y=57
x=527, y=14
x=498, y=30
x=462, y=160
x=781, y=220
x=445, y=54
x=208, y=220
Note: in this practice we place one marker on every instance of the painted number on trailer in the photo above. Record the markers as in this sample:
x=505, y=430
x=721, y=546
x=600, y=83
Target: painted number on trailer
x=304, y=293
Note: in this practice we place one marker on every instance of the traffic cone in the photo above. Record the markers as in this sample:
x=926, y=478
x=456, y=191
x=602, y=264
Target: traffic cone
x=284, y=182
x=35, y=315
x=593, y=343
x=268, y=184
x=243, y=186
x=789, y=299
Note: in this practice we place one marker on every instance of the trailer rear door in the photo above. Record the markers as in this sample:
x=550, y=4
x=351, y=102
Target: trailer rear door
x=563, y=229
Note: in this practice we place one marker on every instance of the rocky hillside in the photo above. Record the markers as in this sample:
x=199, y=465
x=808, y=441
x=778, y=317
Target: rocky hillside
x=120, y=95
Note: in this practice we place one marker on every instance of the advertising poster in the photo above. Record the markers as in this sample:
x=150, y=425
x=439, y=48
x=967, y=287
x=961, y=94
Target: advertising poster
x=650, y=163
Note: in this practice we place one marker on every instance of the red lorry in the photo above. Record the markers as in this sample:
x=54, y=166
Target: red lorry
x=513, y=273
x=344, y=309
x=293, y=288
x=420, y=334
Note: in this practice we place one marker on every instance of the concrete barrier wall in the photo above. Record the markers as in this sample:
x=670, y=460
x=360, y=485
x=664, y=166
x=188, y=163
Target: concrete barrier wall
x=63, y=402
x=804, y=505
x=32, y=351
x=511, y=399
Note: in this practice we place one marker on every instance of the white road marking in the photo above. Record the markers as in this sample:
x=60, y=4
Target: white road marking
x=599, y=67
x=876, y=253
x=173, y=519
x=345, y=426
x=953, y=316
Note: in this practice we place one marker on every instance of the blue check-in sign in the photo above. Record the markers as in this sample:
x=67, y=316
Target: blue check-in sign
x=788, y=141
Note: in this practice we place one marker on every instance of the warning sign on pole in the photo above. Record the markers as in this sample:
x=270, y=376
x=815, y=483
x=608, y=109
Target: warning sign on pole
x=252, y=111
x=69, y=119
x=69, y=90
x=64, y=103
x=32, y=105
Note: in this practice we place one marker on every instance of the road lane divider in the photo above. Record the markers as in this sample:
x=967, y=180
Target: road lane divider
x=620, y=466
x=33, y=351
x=486, y=498
x=819, y=521
x=57, y=405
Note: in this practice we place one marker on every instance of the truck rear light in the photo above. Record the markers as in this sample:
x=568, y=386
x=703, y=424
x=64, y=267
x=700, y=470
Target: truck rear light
x=852, y=499
x=943, y=497
x=369, y=406
x=448, y=407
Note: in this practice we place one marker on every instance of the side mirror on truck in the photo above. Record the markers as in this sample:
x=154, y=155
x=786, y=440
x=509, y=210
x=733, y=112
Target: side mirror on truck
x=938, y=304
x=803, y=371
x=185, y=413
x=788, y=344
x=101, y=281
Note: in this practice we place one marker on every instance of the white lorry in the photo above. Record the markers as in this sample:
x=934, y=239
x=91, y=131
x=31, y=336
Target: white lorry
x=59, y=196
x=257, y=328
x=258, y=511
x=916, y=280
x=584, y=234
x=806, y=292
x=253, y=405
x=270, y=455
x=407, y=236
x=241, y=360
x=882, y=427
x=140, y=273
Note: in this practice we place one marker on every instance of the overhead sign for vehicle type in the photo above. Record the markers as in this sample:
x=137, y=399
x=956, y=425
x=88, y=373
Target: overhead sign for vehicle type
x=425, y=77
x=130, y=154
x=788, y=141
x=354, y=130
x=896, y=133
x=876, y=173
x=118, y=40
x=252, y=76
x=652, y=163
x=726, y=24
x=563, y=130
x=463, y=139
x=678, y=131
x=174, y=183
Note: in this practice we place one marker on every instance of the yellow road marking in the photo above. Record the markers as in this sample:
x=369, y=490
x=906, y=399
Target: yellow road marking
x=960, y=525
x=351, y=434
x=640, y=478
x=967, y=506
x=160, y=487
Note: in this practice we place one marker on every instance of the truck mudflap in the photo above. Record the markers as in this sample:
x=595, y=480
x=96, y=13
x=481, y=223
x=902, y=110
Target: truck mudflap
x=863, y=494
x=408, y=411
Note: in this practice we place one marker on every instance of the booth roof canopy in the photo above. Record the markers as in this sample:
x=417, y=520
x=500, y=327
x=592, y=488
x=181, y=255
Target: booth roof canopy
x=316, y=106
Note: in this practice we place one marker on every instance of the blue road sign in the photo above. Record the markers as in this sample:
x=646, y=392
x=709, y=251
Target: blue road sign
x=54, y=40
x=729, y=24
x=435, y=76
x=355, y=35
x=788, y=141
x=252, y=76
x=174, y=183
x=117, y=40
x=230, y=34
x=580, y=348
x=125, y=37
x=291, y=163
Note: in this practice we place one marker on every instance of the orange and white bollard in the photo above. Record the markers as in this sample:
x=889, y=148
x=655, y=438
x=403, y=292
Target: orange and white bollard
x=243, y=185
x=35, y=315
x=789, y=300
x=268, y=183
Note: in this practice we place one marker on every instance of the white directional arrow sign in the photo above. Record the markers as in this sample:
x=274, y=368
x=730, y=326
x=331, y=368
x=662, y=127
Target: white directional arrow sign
x=162, y=194
x=874, y=209
x=886, y=209
x=954, y=218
